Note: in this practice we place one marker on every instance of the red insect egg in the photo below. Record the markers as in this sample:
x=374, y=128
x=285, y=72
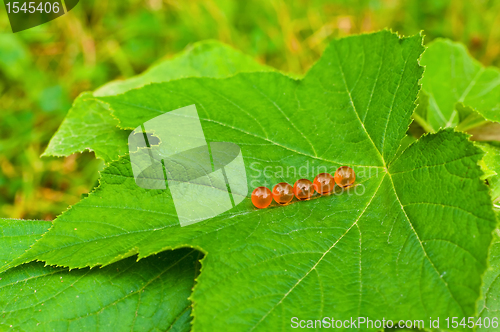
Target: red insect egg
x=344, y=176
x=283, y=193
x=303, y=189
x=261, y=197
x=323, y=183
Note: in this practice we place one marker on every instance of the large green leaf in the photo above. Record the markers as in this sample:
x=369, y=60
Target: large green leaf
x=150, y=295
x=89, y=125
x=452, y=76
x=407, y=242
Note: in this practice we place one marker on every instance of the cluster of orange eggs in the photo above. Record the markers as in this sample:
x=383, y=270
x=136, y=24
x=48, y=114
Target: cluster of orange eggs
x=303, y=189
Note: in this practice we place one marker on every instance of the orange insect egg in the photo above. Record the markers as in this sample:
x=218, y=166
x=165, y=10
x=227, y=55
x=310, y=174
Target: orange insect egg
x=344, y=176
x=323, y=183
x=303, y=189
x=261, y=197
x=283, y=193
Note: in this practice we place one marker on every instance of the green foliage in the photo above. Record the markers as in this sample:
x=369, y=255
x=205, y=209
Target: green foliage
x=89, y=124
x=149, y=295
x=42, y=70
x=452, y=77
x=491, y=167
x=203, y=59
x=457, y=91
x=411, y=245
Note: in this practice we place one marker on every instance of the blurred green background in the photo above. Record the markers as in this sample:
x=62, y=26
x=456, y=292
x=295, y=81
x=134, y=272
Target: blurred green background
x=43, y=69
